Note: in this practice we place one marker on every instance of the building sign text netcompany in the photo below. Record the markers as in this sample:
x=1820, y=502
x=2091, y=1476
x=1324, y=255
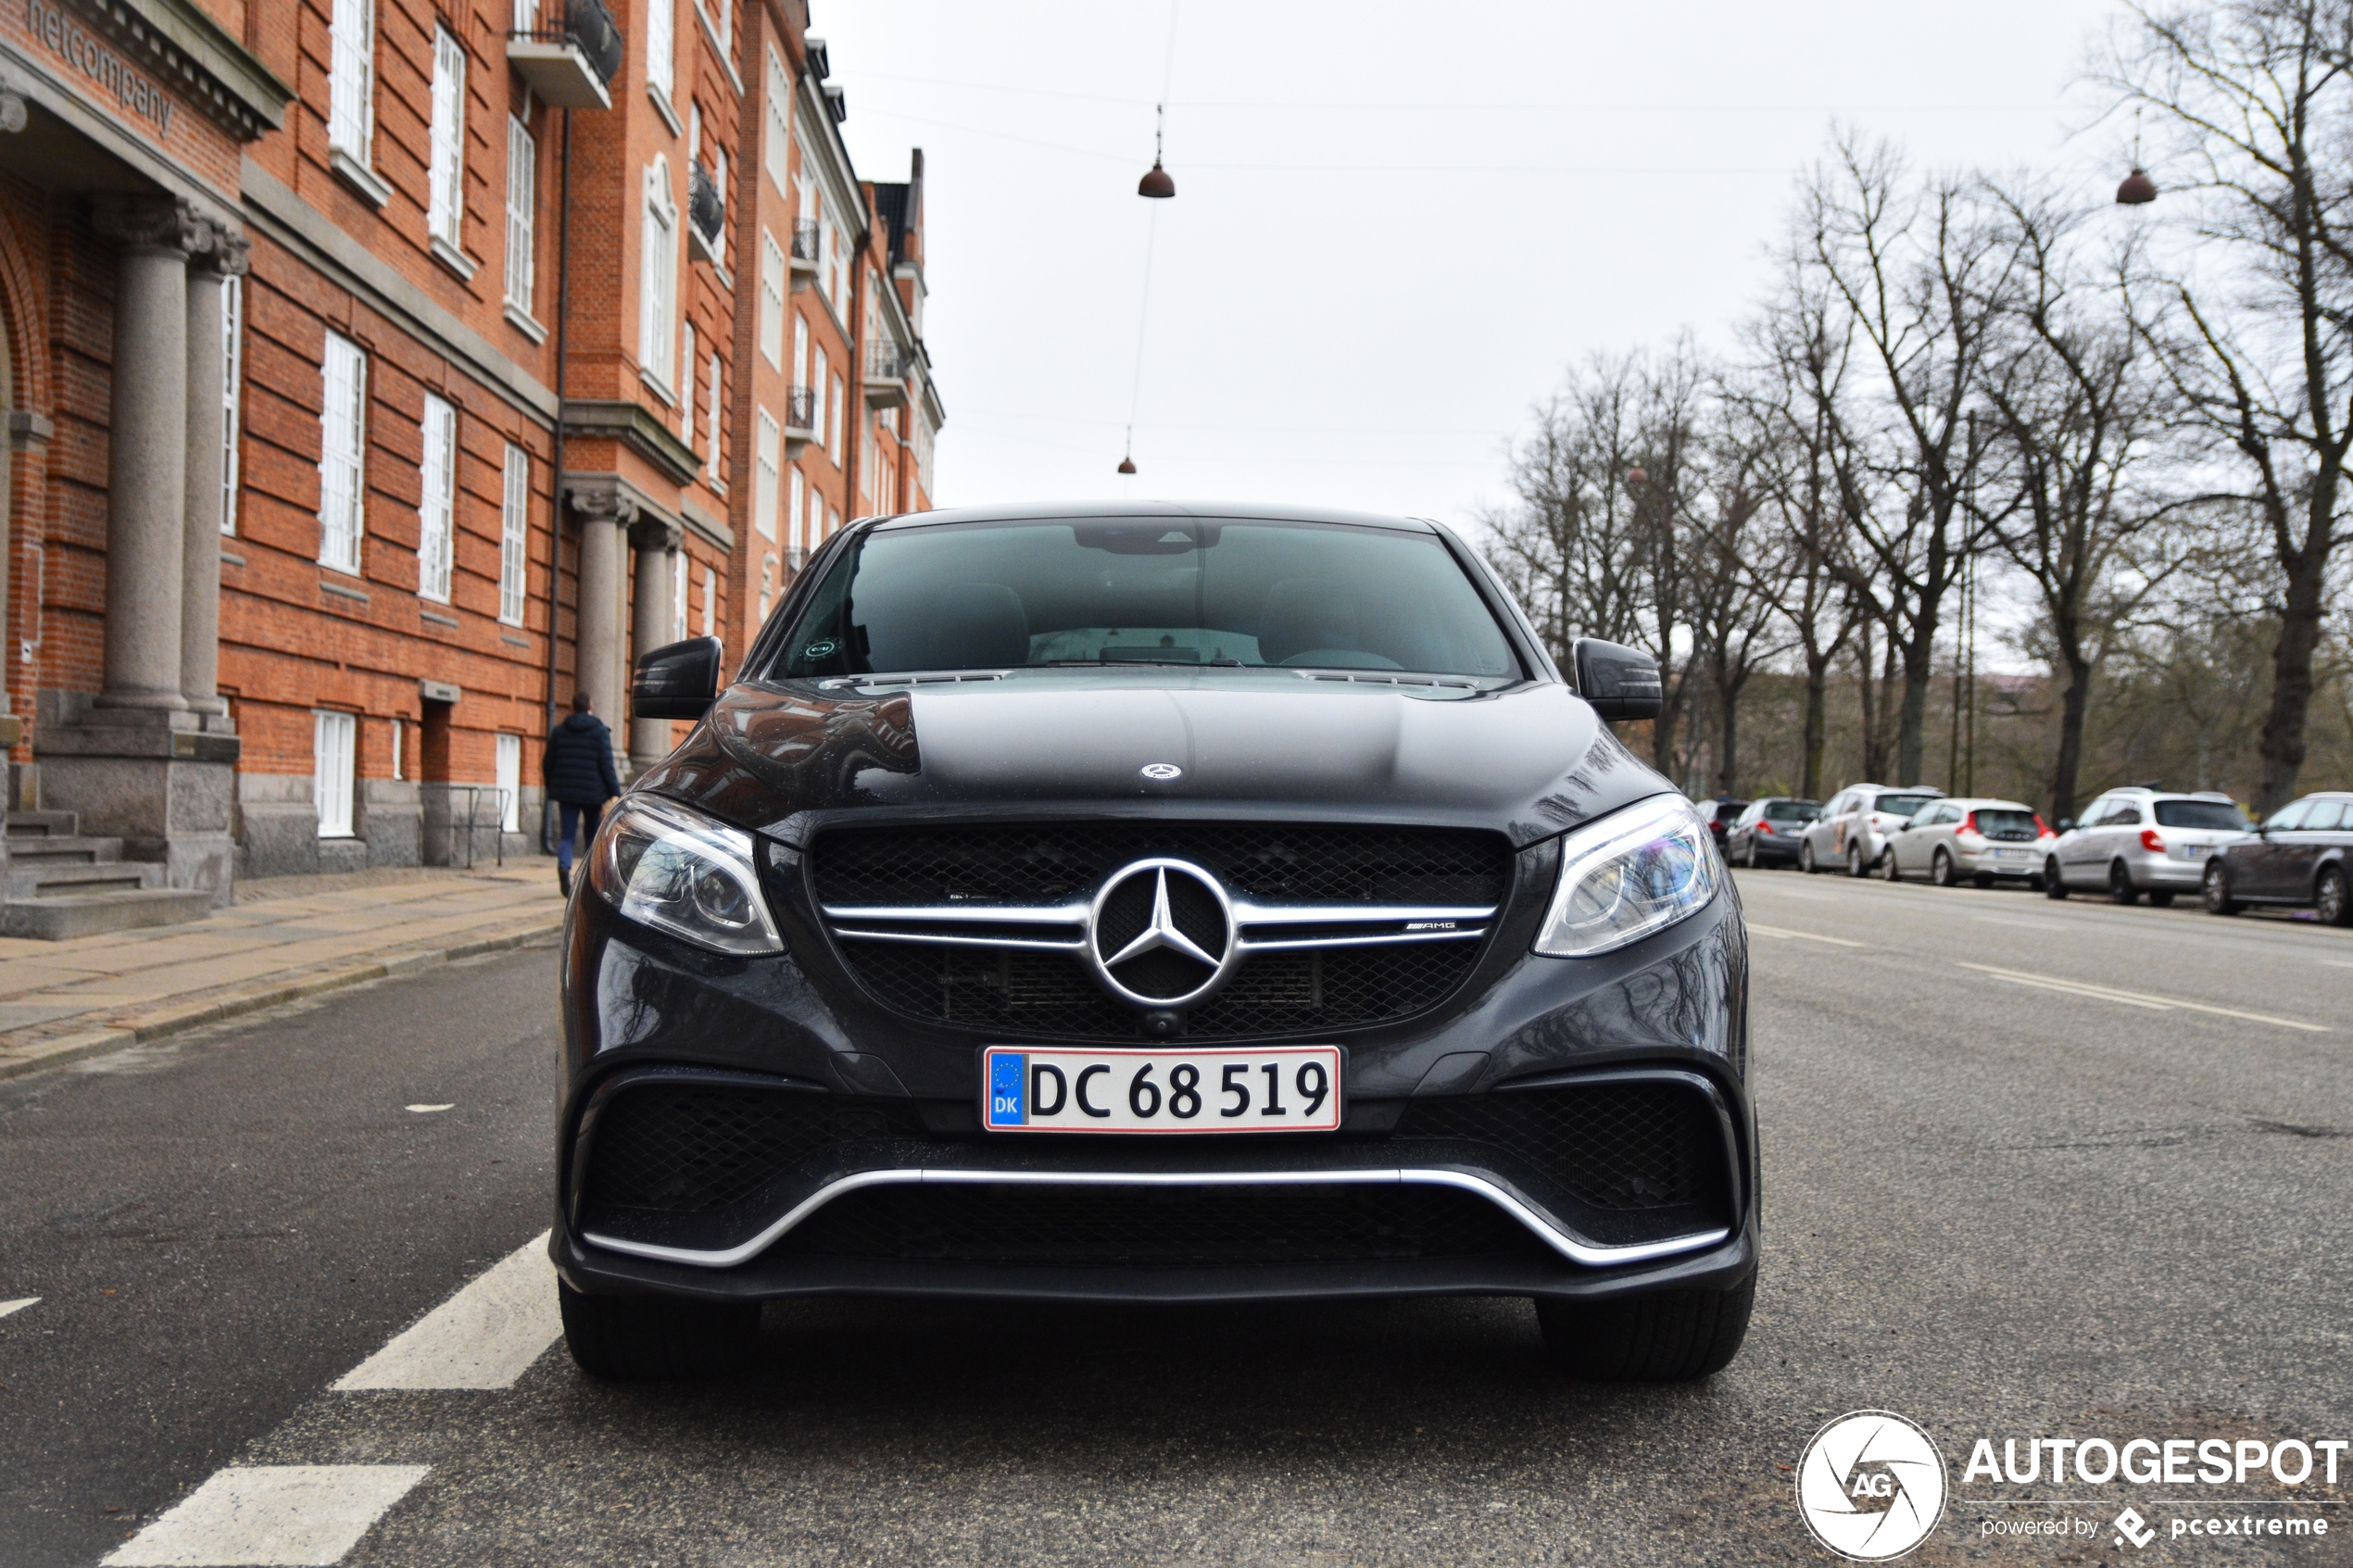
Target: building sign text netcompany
x=100, y=64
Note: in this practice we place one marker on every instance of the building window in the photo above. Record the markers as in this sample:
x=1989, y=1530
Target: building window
x=772, y=299
x=833, y=418
x=343, y=429
x=776, y=145
x=510, y=783
x=514, y=521
x=445, y=201
x=686, y=383
x=797, y=522
x=658, y=276
x=800, y=354
x=660, y=29
x=232, y=340
x=764, y=478
x=677, y=596
x=711, y=426
x=333, y=745
x=726, y=26
x=817, y=379
x=710, y=602
x=351, y=79
x=437, y=508
x=396, y=774
x=523, y=206
x=719, y=176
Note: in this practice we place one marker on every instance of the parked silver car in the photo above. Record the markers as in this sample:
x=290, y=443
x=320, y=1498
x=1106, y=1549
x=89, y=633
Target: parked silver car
x=2135, y=841
x=1983, y=840
x=1854, y=827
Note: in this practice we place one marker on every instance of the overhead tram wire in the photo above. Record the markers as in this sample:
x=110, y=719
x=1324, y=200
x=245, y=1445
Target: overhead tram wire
x=1156, y=185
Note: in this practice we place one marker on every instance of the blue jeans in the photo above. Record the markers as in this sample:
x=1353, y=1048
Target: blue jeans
x=569, y=817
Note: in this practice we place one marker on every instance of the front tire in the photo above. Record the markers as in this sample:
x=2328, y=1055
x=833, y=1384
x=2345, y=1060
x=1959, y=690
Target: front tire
x=1887, y=866
x=1805, y=858
x=2053, y=885
x=1943, y=870
x=2330, y=899
x=655, y=1338
x=1855, y=866
x=2216, y=891
x=1669, y=1336
x=1753, y=864
x=2119, y=884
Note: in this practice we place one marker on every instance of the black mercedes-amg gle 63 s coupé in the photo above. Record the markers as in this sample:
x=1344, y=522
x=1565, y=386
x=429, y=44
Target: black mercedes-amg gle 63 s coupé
x=1153, y=903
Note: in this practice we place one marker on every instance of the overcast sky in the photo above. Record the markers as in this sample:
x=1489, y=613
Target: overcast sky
x=1395, y=224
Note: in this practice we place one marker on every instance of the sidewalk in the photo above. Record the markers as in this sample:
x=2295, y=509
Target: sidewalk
x=284, y=938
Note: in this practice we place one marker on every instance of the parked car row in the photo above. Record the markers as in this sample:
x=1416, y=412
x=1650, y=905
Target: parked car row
x=2131, y=843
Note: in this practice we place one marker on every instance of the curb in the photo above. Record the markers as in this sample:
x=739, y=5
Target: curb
x=156, y=1025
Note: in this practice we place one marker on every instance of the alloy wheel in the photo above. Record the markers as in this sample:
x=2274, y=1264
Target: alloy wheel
x=2329, y=897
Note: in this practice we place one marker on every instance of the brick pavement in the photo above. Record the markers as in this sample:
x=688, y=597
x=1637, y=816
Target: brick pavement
x=284, y=938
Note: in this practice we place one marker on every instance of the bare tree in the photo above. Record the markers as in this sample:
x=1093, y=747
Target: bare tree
x=2255, y=101
x=2079, y=409
x=1921, y=273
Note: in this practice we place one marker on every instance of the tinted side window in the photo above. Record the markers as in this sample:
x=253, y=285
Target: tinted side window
x=2325, y=817
x=2289, y=815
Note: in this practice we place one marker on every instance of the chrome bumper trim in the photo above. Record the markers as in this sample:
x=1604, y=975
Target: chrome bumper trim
x=1568, y=1247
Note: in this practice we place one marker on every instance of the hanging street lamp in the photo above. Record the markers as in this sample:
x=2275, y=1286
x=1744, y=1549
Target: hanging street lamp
x=2137, y=190
x=1156, y=182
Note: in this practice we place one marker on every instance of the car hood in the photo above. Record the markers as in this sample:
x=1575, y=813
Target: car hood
x=1529, y=759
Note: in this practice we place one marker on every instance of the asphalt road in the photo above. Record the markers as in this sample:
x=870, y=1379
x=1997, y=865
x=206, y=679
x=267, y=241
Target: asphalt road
x=2031, y=1170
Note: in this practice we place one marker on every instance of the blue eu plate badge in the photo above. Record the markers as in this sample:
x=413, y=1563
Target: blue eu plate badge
x=1006, y=1108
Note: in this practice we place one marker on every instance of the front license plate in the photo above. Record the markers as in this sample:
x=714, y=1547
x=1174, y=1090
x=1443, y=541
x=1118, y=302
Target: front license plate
x=1272, y=1089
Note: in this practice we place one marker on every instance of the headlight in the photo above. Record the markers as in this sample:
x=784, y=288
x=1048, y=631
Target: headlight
x=682, y=872
x=1635, y=872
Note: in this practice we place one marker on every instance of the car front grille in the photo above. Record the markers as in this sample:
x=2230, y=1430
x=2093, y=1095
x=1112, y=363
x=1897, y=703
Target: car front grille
x=697, y=1148
x=1174, y=1226
x=888, y=891
x=1620, y=1147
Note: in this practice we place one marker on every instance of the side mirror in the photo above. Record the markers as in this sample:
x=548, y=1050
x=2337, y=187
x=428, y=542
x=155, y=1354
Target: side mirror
x=677, y=682
x=1617, y=682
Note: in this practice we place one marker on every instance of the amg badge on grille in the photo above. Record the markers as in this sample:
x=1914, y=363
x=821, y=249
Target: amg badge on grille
x=1162, y=933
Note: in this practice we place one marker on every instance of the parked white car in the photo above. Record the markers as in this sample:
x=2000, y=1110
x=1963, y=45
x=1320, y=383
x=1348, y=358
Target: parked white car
x=1982, y=840
x=2135, y=841
x=1854, y=827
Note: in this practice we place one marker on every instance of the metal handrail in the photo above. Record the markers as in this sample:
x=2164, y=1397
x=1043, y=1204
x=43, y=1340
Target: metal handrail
x=804, y=239
x=475, y=824
x=801, y=408
x=586, y=25
x=705, y=204
x=889, y=361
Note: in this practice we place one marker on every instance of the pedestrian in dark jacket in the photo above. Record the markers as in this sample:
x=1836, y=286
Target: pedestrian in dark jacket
x=577, y=768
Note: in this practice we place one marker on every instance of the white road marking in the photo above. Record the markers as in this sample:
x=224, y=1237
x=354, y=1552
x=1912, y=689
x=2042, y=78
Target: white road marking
x=1807, y=935
x=2338, y=963
x=2021, y=919
x=18, y=1305
x=486, y=1336
x=2160, y=1004
x=272, y=1515
x=423, y=1109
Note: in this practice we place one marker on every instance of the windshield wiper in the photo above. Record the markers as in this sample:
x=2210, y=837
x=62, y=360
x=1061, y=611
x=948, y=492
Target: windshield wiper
x=1114, y=664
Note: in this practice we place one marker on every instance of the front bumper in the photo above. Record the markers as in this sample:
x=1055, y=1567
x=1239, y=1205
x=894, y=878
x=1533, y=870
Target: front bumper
x=916, y=1199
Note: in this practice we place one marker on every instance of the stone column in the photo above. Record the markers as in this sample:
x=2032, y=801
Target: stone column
x=656, y=543
x=603, y=511
x=147, y=447
x=208, y=471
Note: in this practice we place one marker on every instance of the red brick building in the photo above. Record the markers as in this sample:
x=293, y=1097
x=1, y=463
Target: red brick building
x=354, y=423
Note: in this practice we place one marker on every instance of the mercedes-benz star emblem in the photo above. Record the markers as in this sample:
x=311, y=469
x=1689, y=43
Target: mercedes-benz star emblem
x=1160, y=772
x=1161, y=934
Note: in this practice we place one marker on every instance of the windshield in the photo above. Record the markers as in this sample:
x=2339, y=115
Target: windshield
x=1902, y=805
x=1996, y=822
x=2200, y=814
x=1793, y=812
x=990, y=595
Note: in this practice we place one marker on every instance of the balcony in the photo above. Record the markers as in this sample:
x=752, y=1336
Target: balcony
x=889, y=365
x=801, y=419
x=804, y=249
x=706, y=214
x=568, y=50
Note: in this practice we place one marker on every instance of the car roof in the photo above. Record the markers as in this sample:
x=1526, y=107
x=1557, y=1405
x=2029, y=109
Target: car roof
x=1995, y=802
x=1238, y=511
x=2145, y=792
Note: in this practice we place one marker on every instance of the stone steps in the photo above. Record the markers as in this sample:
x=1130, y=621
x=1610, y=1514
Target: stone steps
x=62, y=882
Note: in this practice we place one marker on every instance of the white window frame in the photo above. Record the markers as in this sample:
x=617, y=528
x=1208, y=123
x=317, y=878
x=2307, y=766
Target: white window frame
x=710, y=601
x=661, y=47
x=397, y=759
x=711, y=426
x=819, y=374
x=658, y=276
x=507, y=763
x=335, y=749
x=351, y=79
x=686, y=383
x=232, y=388
x=437, y=501
x=796, y=519
x=835, y=399
x=523, y=213
x=766, y=475
x=800, y=376
x=514, y=537
x=678, y=596
x=719, y=178
x=342, y=455
x=772, y=299
x=775, y=150
x=446, y=173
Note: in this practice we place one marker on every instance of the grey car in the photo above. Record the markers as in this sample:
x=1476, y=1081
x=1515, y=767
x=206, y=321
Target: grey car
x=1768, y=833
x=2302, y=855
x=1982, y=841
x=1854, y=827
x=2136, y=841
